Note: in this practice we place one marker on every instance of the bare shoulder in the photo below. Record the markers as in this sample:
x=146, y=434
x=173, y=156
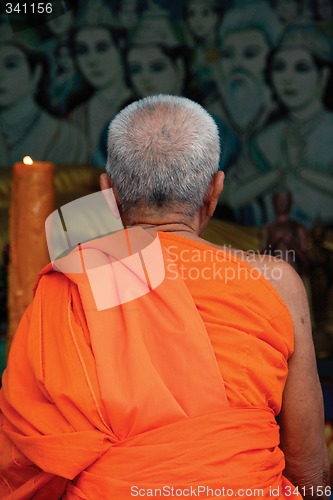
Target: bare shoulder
x=282, y=277
x=277, y=272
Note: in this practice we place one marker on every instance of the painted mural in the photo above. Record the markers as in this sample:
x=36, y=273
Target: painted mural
x=262, y=68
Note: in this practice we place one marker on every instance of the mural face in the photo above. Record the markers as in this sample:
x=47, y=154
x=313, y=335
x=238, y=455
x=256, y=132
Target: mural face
x=152, y=72
x=96, y=56
x=16, y=81
x=202, y=20
x=240, y=76
x=296, y=79
x=244, y=51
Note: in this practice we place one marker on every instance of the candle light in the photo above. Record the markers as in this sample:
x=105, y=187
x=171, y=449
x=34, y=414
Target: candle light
x=32, y=200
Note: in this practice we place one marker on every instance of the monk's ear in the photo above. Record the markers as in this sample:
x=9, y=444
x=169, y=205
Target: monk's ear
x=110, y=197
x=105, y=181
x=215, y=189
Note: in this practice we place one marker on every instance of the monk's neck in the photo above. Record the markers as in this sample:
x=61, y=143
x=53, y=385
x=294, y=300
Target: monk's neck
x=167, y=227
x=171, y=222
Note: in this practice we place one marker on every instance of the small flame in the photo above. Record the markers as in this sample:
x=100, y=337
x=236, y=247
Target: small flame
x=27, y=160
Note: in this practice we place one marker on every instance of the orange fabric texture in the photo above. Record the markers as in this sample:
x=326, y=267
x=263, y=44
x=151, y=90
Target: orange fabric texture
x=176, y=388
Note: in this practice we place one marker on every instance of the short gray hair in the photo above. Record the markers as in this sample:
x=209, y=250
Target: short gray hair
x=162, y=151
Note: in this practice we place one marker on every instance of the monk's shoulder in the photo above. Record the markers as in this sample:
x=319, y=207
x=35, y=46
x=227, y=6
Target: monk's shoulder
x=281, y=275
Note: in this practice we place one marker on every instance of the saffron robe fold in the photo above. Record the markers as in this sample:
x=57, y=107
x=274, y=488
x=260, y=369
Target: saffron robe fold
x=95, y=402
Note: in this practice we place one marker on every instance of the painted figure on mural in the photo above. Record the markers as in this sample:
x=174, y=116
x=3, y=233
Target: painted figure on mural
x=156, y=56
x=155, y=25
x=154, y=63
x=286, y=238
x=202, y=21
x=25, y=127
x=159, y=69
x=63, y=81
x=157, y=62
x=156, y=69
x=299, y=144
x=246, y=36
x=101, y=66
x=126, y=14
x=246, y=101
x=151, y=69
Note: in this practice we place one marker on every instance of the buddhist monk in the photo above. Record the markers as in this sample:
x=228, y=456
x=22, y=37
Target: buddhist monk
x=164, y=366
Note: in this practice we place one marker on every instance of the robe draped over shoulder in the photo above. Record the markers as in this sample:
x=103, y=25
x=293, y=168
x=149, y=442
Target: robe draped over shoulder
x=177, y=388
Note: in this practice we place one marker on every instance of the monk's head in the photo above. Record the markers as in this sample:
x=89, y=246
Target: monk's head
x=163, y=156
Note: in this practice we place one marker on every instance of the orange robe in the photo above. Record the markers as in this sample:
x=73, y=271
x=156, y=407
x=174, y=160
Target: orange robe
x=178, y=388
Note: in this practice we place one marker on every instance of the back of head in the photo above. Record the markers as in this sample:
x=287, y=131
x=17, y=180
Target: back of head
x=162, y=153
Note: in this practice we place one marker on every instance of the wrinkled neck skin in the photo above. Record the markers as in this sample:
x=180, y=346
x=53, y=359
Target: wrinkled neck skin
x=172, y=222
